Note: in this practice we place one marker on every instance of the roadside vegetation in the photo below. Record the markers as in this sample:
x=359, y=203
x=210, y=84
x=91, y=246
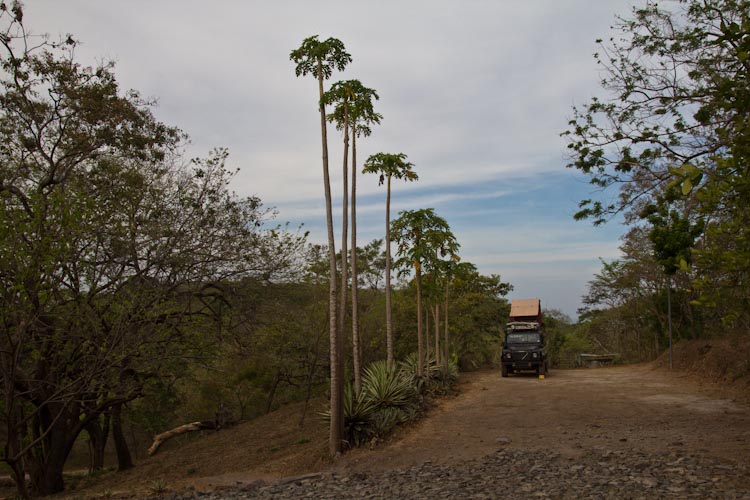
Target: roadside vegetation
x=668, y=145
x=140, y=294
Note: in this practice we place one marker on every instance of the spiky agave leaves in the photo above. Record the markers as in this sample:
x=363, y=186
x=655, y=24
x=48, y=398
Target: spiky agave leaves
x=359, y=417
x=435, y=380
x=389, y=397
x=394, y=394
x=387, y=387
x=431, y=367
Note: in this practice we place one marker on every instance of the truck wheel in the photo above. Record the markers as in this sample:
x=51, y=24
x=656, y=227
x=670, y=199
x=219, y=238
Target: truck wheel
x=504, y=370
x=540, y=369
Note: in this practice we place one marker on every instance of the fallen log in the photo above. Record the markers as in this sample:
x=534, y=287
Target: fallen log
x=177, y=431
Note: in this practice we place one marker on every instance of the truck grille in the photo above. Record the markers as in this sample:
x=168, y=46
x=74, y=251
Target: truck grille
x=521, y=356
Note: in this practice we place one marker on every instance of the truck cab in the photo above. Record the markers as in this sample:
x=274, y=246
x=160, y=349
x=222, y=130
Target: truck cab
x=524, y=345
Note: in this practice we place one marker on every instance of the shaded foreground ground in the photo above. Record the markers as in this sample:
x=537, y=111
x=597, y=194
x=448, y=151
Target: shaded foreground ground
x=597, y=428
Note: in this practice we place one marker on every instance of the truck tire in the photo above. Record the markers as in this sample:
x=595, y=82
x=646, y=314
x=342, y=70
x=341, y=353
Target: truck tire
x=540, y=369
x=504, y=370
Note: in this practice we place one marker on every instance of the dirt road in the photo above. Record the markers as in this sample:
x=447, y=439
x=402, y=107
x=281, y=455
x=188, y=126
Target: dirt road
x=571, y=412
x=625, y=432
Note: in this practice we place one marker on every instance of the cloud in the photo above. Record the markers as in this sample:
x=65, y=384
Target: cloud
x=474, y=92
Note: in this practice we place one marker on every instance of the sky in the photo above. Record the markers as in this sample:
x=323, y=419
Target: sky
x=474, y=92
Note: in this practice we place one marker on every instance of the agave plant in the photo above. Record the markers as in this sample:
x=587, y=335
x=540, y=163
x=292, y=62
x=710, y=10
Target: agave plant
x=387, y=388
x=359, y=417
x=409, y=367
x=388, y=418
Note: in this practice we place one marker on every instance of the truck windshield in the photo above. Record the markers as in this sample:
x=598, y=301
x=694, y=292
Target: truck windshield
x=523, y=338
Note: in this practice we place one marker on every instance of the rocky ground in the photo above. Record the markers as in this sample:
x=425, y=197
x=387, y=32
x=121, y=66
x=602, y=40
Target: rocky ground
x=514, y=474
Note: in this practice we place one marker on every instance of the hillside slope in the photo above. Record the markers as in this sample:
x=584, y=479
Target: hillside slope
x=268, y=447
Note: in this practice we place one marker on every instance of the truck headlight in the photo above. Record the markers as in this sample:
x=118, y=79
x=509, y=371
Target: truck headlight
x=534, y=355
x=507, y=355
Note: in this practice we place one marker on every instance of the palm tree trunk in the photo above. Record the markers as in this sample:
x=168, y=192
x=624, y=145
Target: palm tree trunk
x=344, y=232
x=388, y=310
x=426, y=344
x=336, y=431
x=437, y=333
x=356, y=349
x=669, y=318
x=445, y=340
x=420, y=347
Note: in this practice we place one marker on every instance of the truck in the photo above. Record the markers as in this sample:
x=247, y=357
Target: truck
x=524, y=346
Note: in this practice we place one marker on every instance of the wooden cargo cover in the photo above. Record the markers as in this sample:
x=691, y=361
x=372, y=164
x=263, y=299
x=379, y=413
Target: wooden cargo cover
x=526, y=310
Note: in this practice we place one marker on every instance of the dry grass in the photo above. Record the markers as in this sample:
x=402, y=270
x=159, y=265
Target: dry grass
x=268, y=447
x=720, y=365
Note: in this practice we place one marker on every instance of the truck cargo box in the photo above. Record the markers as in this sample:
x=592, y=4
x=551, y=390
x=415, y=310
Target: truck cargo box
x=526, y=310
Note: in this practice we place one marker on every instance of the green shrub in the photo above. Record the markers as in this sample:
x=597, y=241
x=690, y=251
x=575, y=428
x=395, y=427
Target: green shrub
x=359, y=417
x=390, y=397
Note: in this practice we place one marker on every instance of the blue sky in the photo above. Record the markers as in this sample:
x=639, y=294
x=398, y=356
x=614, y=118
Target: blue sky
x=475, y=92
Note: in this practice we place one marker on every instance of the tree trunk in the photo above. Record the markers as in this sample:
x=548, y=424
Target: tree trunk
x=445, y=340
x=19, y=478
x=426, y=341
x=420, y=347
x=272, y=392
x=46, y=471
x=98, y=431
x=388, y=310
x=178, y=431
x=669, y=318
x=344, y=232
x=336, y=430
x=15, y=433
x=124, y=460
x=437, y=334
x=356, y=349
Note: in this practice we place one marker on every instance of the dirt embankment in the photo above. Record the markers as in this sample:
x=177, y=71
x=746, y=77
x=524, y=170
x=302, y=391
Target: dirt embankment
x=699, y=409
x=719, y=365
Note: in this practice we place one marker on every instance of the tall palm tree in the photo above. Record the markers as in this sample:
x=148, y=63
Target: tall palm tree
x=389, y=165
x=340, y=95
x=319, y=59
x=423, y=238
x=354, y=113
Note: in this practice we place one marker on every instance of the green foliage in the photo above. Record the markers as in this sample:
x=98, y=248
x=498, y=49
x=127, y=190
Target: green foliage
x=320, y=59
x=564, y=344
x=359, y=417
x=390, y=165
x=390, y=397
x=423, y=239
x=113, y=250
x=158, y=487
x=678, y=148
x=353, y=106
x=387, y=388
x=673, y=237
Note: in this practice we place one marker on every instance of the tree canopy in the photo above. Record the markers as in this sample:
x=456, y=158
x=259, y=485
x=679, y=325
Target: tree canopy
x=671, y=135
